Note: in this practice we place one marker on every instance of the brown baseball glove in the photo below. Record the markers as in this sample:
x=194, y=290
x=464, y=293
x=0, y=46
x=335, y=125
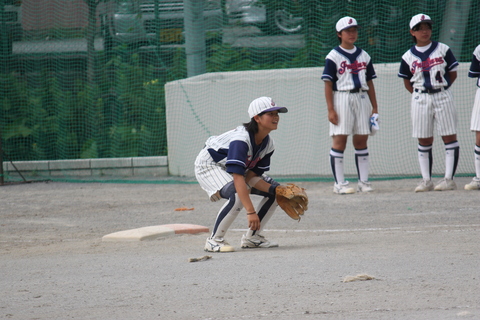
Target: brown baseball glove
x=292, y=199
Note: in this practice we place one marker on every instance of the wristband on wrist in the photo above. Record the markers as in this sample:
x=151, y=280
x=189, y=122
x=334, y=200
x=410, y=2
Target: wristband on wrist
x=249, y=213
x=272, y=188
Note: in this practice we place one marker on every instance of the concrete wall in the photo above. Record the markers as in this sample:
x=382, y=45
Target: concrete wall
x=111, y=167
x=212, y=103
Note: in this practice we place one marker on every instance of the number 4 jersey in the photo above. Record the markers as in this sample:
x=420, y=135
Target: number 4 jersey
x=429, y=68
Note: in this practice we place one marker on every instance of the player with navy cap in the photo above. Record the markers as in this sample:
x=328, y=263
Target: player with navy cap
x=351, y=102
x=231, y=166
x=474, y=72
x=428, y=70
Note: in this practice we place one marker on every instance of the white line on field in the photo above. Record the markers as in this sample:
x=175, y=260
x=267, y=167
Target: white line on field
x=408, y=229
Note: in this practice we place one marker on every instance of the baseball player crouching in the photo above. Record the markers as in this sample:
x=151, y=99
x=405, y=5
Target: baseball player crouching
x=428, y=70
x=231, y=166
x=351, y=101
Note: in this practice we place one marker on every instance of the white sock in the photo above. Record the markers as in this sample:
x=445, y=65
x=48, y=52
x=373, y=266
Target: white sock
x=477, y=161
x=226, y=216
x=363, y=166
x=425, y=159
x=452, y=151
x=336, y=163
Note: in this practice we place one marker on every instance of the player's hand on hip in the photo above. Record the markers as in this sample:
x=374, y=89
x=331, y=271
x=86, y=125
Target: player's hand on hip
x=253, y=221
x=333, y=117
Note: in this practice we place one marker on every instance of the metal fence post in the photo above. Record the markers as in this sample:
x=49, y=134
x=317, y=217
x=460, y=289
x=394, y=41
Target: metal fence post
x=195, y=47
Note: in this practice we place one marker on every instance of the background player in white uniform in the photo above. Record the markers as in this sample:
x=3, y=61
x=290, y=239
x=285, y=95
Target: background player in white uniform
x=232, y=165
x=428, y=70
x=474, y=72
x=351, y=100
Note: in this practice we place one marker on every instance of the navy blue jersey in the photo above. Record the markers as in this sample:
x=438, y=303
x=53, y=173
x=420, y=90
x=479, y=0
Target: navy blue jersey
x=236, y=149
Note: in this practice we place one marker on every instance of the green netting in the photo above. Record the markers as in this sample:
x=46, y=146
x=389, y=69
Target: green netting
x=84, y=79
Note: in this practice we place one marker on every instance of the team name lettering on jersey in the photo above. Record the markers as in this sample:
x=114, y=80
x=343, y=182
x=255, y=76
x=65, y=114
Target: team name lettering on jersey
x=474, y=71
x=348, y=69
x=355, y=67
x=235, y=150
x=428, y=68
x=252, y=163
x=427, y=64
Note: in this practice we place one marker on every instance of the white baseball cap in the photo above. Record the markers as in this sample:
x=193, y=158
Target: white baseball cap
x=345, y=23
x=419, y=18
x=264, y=104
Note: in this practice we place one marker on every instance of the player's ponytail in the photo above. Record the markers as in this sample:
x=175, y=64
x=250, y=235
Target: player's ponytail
x=252, y=126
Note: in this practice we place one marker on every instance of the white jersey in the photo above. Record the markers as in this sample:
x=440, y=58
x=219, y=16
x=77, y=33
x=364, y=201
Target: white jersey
x=235, y=148
x=231, y=152
x=474, y=71
x=428, y=70
x=348, y=70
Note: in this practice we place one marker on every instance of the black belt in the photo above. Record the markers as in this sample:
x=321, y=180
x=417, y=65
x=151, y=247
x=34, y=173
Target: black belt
x=352, y=91
x=429, y=90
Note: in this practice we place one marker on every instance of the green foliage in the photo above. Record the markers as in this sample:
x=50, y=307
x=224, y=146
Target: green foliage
x=125, y=118
x=120, y=112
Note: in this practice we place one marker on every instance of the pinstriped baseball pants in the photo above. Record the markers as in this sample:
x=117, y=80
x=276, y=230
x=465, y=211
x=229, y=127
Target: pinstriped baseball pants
x=353, y=110
x=430, y=110
x=211, y=176
x=475, y=121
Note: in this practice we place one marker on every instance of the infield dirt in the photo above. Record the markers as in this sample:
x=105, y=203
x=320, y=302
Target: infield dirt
x=422, y=249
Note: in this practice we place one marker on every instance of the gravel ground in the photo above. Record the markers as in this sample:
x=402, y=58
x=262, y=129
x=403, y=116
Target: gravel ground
x=421, y=249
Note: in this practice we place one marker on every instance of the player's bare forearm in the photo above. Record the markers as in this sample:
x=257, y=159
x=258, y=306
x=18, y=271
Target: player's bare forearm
x=453, y=76
x=255, y=181
x=332, y=114
x=262, y=185
x=372, y=96
x=408, y=85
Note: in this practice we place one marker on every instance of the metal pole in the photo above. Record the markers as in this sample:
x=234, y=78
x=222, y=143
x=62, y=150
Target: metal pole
x=3, y=49
x=2, y=180
x=157, y=20
x=195, y=47
x=454, y=25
